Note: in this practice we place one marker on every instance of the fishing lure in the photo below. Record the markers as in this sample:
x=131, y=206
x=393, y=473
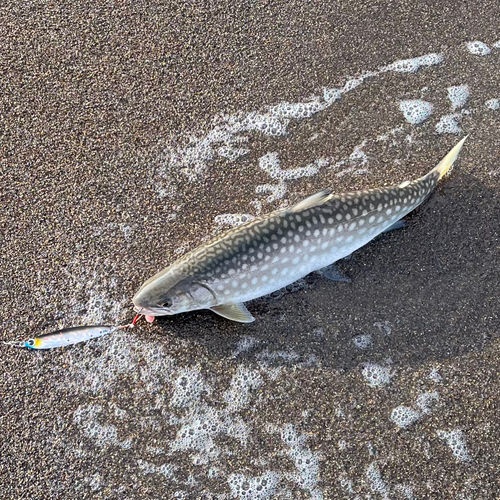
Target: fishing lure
x=68, y=336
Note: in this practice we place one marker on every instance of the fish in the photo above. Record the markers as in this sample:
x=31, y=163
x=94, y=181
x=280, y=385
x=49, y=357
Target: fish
x=67, y=336
x=274, y=250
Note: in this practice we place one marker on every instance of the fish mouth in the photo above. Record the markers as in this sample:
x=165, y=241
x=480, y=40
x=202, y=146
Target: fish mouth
x=154, y=311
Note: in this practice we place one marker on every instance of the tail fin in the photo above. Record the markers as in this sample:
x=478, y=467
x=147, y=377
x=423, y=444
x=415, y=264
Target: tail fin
x=444, y=166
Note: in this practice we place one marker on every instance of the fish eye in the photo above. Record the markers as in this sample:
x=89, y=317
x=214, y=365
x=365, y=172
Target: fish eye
x=167, y=303
x=31, y=342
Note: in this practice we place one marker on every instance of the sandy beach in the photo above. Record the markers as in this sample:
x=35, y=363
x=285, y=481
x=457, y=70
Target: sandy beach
x=131, y=133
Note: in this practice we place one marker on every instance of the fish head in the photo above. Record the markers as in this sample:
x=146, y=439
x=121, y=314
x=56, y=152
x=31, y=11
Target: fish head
x=165, y=297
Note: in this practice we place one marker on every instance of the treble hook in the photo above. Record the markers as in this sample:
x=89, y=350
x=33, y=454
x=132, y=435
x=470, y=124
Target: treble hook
x=130, y=325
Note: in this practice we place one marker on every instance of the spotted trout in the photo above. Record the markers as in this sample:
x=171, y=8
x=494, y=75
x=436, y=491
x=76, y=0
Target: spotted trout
x=276, y=249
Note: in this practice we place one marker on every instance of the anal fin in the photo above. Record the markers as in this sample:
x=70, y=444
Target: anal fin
x=333, y=273
x=397, y=225
x=234, y=312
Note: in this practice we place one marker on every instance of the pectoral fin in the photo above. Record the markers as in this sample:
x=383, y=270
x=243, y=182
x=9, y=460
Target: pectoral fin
x=234, y=312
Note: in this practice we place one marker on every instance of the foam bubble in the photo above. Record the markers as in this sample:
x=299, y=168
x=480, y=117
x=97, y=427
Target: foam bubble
x=376, y=375
x=355, y=160
x=266, y=356
x=456, y=441
x=104, y=435
x=427, y=401
x=121, y=355
x=416, y=110
x=406, y=490
x=478, y=48
x=458, y=95
x=188, y=387
x=363, y=341
x=233, y=220
x=242, y=383
x=331, y=95
x=297, y=110
x=254, y=488
x=352, y=84
x=384, y=326
x=306, y=461
x=270, y=164
x=277, y=191
x=434, y=376
x=403, y=416
x=377, y=484
x=244, y=345
x=449, y=124
x=264, y=123
x=493, y=104
x=231, y=153
x=95, y=482
x=347, y=484
x=413, y=65
x=166, y=470
x=197, y=434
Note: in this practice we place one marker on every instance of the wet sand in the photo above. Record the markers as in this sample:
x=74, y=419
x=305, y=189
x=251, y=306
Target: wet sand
x=108, y=176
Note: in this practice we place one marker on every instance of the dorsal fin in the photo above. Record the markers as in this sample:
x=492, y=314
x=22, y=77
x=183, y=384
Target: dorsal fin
x=312, y=201
x=234, y=312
